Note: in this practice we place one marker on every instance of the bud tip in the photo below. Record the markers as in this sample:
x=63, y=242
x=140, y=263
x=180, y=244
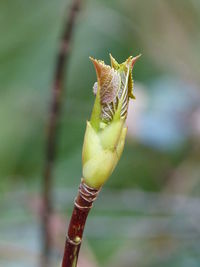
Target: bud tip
x=134, y=59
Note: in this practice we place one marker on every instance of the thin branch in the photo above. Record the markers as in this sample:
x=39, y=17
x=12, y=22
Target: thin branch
x=55, y=107
x=82, y=205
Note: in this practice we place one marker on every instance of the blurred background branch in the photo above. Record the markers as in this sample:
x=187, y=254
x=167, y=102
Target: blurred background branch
x=55, y=107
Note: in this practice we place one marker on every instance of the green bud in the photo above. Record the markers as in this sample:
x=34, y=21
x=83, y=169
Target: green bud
x=106, y=131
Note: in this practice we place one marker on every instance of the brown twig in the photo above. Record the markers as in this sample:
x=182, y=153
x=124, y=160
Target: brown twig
x=82, y=205
x=62, y=61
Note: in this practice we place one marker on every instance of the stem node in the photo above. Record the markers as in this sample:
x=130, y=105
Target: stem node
x=82, y=205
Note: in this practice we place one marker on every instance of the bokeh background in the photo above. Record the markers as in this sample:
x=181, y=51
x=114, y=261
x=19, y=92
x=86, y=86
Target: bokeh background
x=148, y=212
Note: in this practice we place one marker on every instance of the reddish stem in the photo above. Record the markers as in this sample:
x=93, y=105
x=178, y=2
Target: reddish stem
x=82, y=205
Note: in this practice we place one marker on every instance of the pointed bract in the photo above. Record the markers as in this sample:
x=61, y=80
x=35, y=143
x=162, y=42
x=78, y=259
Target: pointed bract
x=114, y=63
x=134, y=59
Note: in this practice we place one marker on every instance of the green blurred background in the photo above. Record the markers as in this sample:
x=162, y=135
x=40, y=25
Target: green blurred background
x=148, y=212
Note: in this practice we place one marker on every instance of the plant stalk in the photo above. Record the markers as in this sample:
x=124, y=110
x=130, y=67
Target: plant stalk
x=55, y=107
x=82, y=205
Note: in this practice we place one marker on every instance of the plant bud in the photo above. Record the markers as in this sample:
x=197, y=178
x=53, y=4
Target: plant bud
x=106, y=131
